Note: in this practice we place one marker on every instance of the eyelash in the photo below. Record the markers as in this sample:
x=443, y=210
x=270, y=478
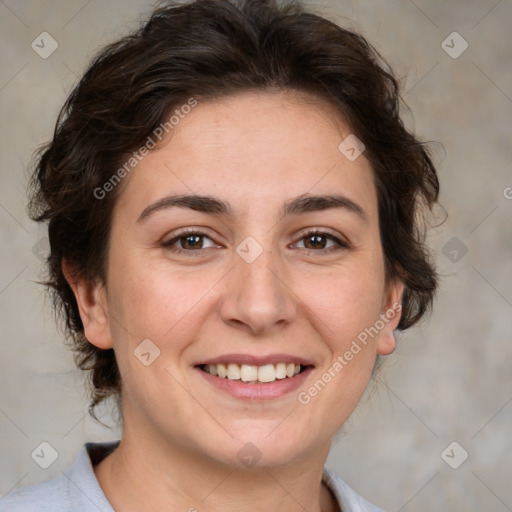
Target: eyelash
x=189, y=252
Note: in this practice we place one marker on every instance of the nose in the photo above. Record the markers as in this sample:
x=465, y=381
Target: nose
x=258, y=297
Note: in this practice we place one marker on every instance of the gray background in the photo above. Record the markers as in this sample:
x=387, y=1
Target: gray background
x=450, y=378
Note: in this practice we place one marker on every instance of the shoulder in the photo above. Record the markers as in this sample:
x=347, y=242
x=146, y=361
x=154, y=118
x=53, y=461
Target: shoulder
x=348, y=499
x=46, y=496
x=76, y=488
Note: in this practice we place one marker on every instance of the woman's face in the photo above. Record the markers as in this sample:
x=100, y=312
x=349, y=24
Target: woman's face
x=250, y=285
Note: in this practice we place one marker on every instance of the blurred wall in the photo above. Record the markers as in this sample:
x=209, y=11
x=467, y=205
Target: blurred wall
x=447, y=391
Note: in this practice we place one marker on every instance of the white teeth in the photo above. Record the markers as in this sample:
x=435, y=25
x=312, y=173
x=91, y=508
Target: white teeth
x=267, y=373
x=222, y=371
x=233, y=371
x=248, y=373
x=251, y=373
x=281, y=371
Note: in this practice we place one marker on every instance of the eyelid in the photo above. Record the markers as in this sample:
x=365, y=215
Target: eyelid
x=183, y=234
x=340, y=241
x=323, y=231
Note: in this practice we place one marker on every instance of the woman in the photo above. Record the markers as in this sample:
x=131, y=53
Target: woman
x=235, y=217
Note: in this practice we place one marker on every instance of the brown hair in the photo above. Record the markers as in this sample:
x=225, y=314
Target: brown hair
x=208, y=49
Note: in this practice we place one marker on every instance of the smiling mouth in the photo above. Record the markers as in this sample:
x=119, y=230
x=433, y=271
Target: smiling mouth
x=252, y=374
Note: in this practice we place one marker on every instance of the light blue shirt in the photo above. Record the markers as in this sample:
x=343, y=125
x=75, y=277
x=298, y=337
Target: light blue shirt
x=78, y=490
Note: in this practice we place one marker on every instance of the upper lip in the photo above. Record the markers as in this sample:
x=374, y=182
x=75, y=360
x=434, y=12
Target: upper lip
x=256, y=360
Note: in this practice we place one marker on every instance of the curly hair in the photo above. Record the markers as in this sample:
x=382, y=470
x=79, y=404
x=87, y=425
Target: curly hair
x=207, y=49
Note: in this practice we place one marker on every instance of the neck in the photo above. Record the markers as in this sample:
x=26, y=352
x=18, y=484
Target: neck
x=140, y=475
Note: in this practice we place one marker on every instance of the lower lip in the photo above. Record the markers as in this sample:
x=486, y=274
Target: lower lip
x=260, y=391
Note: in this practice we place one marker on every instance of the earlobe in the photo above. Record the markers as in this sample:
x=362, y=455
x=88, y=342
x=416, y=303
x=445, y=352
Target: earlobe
x=390, y=316
x=386, y=343
x=91, y=299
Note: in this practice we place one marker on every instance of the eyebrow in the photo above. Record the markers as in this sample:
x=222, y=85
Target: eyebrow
x=298, y=206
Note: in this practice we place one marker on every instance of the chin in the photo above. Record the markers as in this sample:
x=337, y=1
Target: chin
x=264, y=446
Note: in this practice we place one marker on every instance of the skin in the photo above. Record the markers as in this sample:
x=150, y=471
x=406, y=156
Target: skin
x=181, y=435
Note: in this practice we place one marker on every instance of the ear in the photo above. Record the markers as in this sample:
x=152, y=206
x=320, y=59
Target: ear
x=92, y=305
x=390, y=316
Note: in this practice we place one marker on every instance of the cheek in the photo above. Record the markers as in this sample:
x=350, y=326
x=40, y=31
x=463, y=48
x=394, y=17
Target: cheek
x=150, y=302
x=342, y=310
x=344, y=303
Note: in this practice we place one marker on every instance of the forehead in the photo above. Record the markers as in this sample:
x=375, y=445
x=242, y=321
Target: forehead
x=252, y=149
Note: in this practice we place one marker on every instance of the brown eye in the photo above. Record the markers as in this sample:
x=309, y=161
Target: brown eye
x=192, y=241
x=315, y=241
x=188, y=241
x=319, y=241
